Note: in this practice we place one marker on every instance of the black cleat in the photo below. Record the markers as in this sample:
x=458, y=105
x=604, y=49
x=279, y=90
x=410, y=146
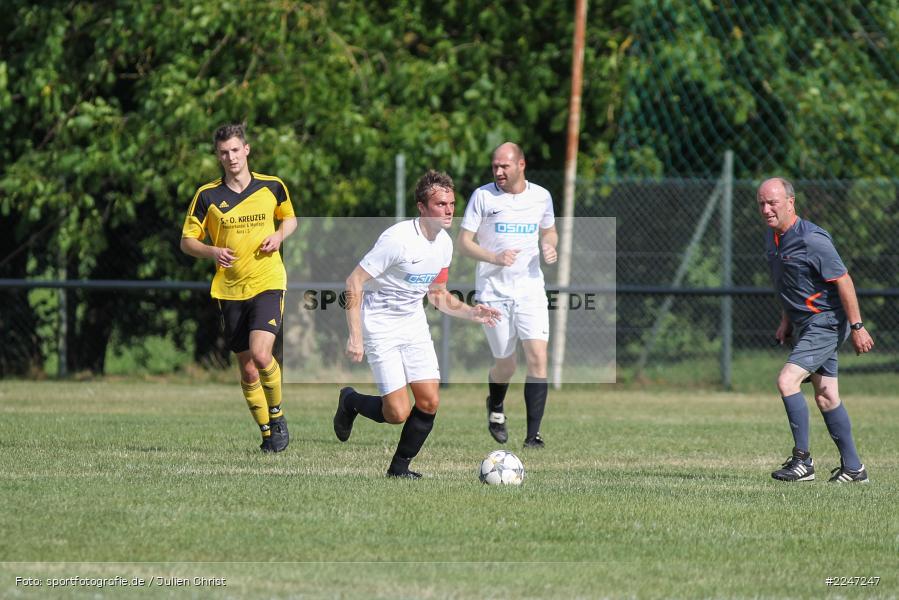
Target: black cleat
x=344, y=417
x=799, y=467
x=278, y=440
x=399, y=469
x=407, y=474
x=496, y=424
x=843, y=475
x=534, y=442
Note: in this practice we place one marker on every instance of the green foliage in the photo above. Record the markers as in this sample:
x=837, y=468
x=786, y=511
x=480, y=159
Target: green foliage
x=109, y=109
x=810, y=89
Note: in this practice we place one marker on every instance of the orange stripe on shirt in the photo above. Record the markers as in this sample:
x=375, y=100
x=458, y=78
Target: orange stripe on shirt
x=809, y=300
x=443, y=276
x=837, y=278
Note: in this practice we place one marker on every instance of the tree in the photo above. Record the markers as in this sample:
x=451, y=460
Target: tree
x=109, y=109
x=808, y=89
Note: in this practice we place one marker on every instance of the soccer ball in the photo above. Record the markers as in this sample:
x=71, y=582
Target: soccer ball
x=501, y=467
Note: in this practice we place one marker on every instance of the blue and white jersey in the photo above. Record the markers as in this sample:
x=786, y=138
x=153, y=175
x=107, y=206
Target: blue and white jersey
x=504, y=221
x=403, y=263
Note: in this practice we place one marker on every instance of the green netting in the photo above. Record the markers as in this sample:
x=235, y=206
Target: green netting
x=806, y=89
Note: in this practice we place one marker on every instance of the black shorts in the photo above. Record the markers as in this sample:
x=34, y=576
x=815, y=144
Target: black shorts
x=239, y=317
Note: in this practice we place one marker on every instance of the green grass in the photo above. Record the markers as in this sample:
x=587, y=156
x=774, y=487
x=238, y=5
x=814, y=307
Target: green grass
x=648, y=494
x=756, y=371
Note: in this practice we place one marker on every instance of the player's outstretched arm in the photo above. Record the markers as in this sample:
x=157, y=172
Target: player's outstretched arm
x=861, y=339
x=353, y=292
x=449, y=304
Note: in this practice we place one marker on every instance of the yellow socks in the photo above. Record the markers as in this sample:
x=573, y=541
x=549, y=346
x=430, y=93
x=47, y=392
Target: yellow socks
x=256, y=401
x=270, y=377
x=264, y=397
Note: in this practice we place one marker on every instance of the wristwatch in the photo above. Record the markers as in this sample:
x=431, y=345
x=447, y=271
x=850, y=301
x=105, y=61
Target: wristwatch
x=856, y=326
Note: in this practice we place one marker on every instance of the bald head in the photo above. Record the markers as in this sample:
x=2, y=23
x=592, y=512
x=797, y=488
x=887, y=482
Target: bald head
x=776, y=200
x=509, y=150
x=508, y=168
x=771, y=185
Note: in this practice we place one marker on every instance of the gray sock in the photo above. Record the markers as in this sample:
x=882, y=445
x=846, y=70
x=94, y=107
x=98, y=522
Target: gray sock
x=840, y=429
x=797, y=414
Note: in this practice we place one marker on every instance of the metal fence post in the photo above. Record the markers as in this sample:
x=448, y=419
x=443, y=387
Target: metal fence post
x=400, y=186
x=62, y=333
x=560, y=327
x=445, y=332
x=727, y=308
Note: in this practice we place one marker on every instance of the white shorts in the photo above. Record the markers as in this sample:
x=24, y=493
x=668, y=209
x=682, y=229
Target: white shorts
x=525, y=319
x=397, y=364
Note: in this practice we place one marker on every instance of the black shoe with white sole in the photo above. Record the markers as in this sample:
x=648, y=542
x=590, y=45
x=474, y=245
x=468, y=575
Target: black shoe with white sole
x=799, y=467
x=843, y=475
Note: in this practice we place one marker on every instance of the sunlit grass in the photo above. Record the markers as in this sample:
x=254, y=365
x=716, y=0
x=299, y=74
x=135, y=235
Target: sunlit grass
x=638, y=493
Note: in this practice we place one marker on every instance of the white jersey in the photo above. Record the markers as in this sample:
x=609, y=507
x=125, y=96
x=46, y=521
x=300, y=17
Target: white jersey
x=506, y=221
x=403, y=263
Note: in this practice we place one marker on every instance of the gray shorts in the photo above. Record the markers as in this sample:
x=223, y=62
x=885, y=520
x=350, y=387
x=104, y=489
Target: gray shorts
x=817, y=341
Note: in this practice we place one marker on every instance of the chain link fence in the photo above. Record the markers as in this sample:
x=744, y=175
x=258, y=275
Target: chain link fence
x=324, y=251
x=152, y=314
x=804, y=88
x=671, y=234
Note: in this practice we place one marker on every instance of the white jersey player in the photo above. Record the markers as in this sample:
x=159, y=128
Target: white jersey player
x=386, y=321
x=514, y=223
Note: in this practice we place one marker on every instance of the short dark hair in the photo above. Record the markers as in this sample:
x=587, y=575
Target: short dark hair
x=432, y=179
x=226, y=132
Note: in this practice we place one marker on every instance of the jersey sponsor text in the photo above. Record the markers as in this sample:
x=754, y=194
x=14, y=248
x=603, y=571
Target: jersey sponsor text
x=515, y=227
x=425, y=278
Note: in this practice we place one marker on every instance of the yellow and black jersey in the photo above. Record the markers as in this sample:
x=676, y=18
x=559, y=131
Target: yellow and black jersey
x=241, y=222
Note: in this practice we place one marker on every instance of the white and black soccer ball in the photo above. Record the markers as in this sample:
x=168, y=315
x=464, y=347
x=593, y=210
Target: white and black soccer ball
x=501, y=467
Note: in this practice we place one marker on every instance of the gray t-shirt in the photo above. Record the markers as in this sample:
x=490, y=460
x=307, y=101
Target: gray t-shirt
x=804, y=268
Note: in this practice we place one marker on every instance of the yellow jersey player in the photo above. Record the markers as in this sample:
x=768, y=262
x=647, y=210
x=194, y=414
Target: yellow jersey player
x=238, y=213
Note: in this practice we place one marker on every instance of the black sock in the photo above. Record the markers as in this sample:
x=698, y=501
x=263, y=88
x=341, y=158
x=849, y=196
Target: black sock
x=371, y=407
x=535, y=389
x=497, y=394
x=415, y=432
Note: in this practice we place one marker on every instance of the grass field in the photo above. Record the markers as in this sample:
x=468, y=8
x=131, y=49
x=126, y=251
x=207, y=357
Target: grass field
x=639, y=493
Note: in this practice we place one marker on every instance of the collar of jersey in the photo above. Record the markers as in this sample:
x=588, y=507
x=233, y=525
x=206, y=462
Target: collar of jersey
x=527, y=186
x=245, y=191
